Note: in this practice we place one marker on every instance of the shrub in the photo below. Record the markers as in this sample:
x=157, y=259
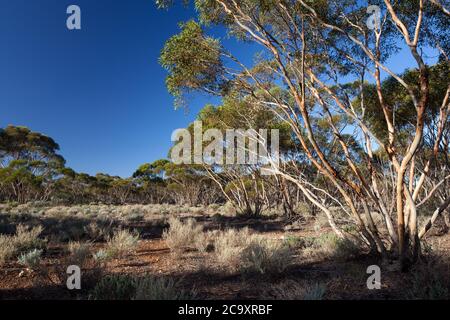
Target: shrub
x=102, y=255
x=315, y=292
x=299, y=242
x=293, y=290
x=27, y=239
x=125, y=287
x=24, y=240
x=331, y=246
x=182, y=234
x=266, y=256
x=114, y=287
x=122, y=242
x=229, y=245
x=286, y=290
x=7, y=249
x=320, y=222
x=303, y=209
x=79, y=253
x=204, y=242
x=31, y=259
x=135, y=217
x=430, y=279
x=153, y=288
x=99, y=230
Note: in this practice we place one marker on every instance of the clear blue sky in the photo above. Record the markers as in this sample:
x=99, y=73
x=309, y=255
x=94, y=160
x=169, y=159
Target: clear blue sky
x=99, y=92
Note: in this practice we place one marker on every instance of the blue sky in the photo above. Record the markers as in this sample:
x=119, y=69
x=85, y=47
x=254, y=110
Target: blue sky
x=99, y=92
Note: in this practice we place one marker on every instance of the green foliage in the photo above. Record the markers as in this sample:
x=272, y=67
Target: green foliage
x=114, y=287
x=299, y=242
x=293, y=290
x=102, y=255
x=335, y=247
x=429, y=279
x=192, y=60
x=315, y=292
x=31, y=259
x=158, y=288
x=125, y=287
x=399, y=101
x=79, y=253
x=23, y=242
x=28, y=162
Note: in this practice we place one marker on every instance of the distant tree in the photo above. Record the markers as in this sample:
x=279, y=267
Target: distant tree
x=150, y=178
x=29, y=163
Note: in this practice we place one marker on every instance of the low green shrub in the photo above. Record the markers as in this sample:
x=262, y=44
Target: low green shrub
x=126, y=287
x=31, y=259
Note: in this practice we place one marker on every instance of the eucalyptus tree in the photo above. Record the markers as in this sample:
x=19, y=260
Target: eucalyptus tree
x=307, y=52
x=150, y=178
x=29, y=164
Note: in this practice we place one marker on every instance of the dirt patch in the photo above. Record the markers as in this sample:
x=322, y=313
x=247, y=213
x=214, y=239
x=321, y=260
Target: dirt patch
x=199, y=271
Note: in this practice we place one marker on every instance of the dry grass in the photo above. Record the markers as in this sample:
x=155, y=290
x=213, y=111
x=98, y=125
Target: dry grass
x=31, y=259
x=126, y=287
x=183, y=235
x=293, y=290
x=229, y=245
x=266, y=256
x=7, y=249
x=122, y=243
x=328, y=245
x=25, y=240
x=79, y=253
x=129, y=212
x=204, y=242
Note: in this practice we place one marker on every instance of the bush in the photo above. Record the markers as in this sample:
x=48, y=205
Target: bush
x=31, y=259
x=430, y=279
x=24, y=240
x=152, y=288
x=336, y=247
x=315, y=292
x=229, y=245
x=99, y=230
x=293, y=290
x=266, y=256
x=114, y=287
x=7, y=249
x=122, y=242
x=102, y=255
x=331, y=246
x=182, y=234
x=125, y=287
x=79, y=253
x=27, y=239
x=204, y=242
x=299, y=242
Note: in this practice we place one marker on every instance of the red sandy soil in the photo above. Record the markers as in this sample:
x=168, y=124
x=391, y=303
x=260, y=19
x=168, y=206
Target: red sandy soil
x=344, y=279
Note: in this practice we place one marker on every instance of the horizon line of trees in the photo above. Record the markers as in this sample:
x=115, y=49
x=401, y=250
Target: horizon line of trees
x=32, y=170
